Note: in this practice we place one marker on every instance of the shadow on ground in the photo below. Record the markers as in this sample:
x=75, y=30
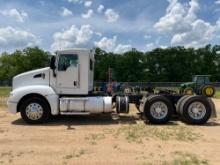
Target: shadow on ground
x=85, y=120
x=104, y=119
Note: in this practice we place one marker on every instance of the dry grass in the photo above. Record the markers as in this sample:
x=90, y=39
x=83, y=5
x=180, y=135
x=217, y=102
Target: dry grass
x=93, y=138
x=139, y=132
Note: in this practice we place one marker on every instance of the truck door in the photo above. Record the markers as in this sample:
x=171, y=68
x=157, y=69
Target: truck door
x=67, y=72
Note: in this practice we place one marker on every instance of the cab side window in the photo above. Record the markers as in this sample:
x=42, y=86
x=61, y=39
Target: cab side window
x=66, y=61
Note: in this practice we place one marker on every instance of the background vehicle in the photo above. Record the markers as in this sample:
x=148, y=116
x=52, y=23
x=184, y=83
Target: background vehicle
x=200, y=85
x=66, y=88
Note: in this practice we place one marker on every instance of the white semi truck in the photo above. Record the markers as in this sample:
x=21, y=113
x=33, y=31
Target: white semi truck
x=66, y=88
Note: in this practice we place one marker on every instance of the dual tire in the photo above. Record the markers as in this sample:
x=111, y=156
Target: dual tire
x=194, y=110
x=158, y=109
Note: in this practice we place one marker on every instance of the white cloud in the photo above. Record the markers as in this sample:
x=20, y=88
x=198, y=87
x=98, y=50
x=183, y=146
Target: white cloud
x=98, y=34
x=88, y=14
x=201, y=34
x=150, y=46
x=66, y=12
x=217, y=2
x=111, y=15
x=72, y=37
x=181, y=22
x=174, y=20
x=107, y=44
x=100, y=9
x=122, y=48
x=217, y=29
x=110, y=45
x=14, y=13
x=87, y=3
x=146, y=37
x=13, y=38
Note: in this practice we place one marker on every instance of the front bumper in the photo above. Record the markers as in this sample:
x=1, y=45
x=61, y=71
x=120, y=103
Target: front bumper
x=12, y=107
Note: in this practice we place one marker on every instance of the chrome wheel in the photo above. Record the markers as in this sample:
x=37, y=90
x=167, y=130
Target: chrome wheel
x=159, y=110
x=197, y=110
x=34, y=111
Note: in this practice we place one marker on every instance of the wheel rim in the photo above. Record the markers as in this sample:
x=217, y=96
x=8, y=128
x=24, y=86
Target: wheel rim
x=159, y=110
x=34, y=111
x=197, y=110
x=209, y=91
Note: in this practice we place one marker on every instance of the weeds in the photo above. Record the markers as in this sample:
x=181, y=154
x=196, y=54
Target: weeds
x=181, y=158
x=137, y=133
x=186, y=159
x=75, y=154
x=93, y=138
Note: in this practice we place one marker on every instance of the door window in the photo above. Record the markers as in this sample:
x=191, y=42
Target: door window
x=66, y=61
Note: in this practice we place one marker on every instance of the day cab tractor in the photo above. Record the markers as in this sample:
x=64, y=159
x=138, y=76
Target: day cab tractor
x=66, y=88
x=200, y=85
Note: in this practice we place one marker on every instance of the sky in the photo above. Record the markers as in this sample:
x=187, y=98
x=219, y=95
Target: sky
x=112, y=25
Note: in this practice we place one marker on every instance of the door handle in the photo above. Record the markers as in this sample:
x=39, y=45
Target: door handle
x=75, y=83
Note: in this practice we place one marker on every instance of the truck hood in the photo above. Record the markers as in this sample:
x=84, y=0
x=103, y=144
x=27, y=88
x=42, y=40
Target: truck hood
x=34, y=77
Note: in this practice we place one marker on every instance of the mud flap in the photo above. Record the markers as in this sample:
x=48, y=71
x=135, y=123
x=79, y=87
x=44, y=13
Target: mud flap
x=214, y=113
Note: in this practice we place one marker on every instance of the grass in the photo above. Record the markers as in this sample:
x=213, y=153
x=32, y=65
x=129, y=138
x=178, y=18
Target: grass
x=139, y=132
x=5, y=91
x=217, y=93
x=75, y=154
x=93, y=138
x=182, y=158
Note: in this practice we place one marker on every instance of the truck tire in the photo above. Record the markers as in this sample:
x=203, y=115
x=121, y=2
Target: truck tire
x=35, y=110
x=188, y=91
x=180, y=102
x=158, y=109
x=195, y=110
x=208, y=91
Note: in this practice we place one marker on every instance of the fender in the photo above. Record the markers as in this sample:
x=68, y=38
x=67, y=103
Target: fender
x=46, y=91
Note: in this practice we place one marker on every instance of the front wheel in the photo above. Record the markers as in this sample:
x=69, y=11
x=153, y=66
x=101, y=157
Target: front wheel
x=35, y=110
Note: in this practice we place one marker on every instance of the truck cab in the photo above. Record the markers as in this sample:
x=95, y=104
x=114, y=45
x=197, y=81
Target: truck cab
x=72, y=72
x=63, y=88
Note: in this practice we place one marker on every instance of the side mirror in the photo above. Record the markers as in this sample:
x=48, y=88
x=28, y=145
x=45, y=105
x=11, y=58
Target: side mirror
x=52, y=62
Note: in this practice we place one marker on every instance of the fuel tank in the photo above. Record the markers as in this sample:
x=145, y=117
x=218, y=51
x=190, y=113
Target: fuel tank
x=93, y=105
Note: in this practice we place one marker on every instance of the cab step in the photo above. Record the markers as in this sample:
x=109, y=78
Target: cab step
x=75, y=113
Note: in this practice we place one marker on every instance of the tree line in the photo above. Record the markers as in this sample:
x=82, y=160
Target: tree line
x=173, y=64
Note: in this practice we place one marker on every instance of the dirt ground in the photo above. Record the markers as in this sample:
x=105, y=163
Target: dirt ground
x=107, y=139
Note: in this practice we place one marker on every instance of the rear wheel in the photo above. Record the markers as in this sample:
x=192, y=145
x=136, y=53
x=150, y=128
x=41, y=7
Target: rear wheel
x=35, y=110
x=180, y=102
x=195, y=110
x=158, y=109
x=208, y=91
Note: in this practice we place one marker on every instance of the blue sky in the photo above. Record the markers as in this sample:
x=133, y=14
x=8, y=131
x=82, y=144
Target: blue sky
x=113, y=25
